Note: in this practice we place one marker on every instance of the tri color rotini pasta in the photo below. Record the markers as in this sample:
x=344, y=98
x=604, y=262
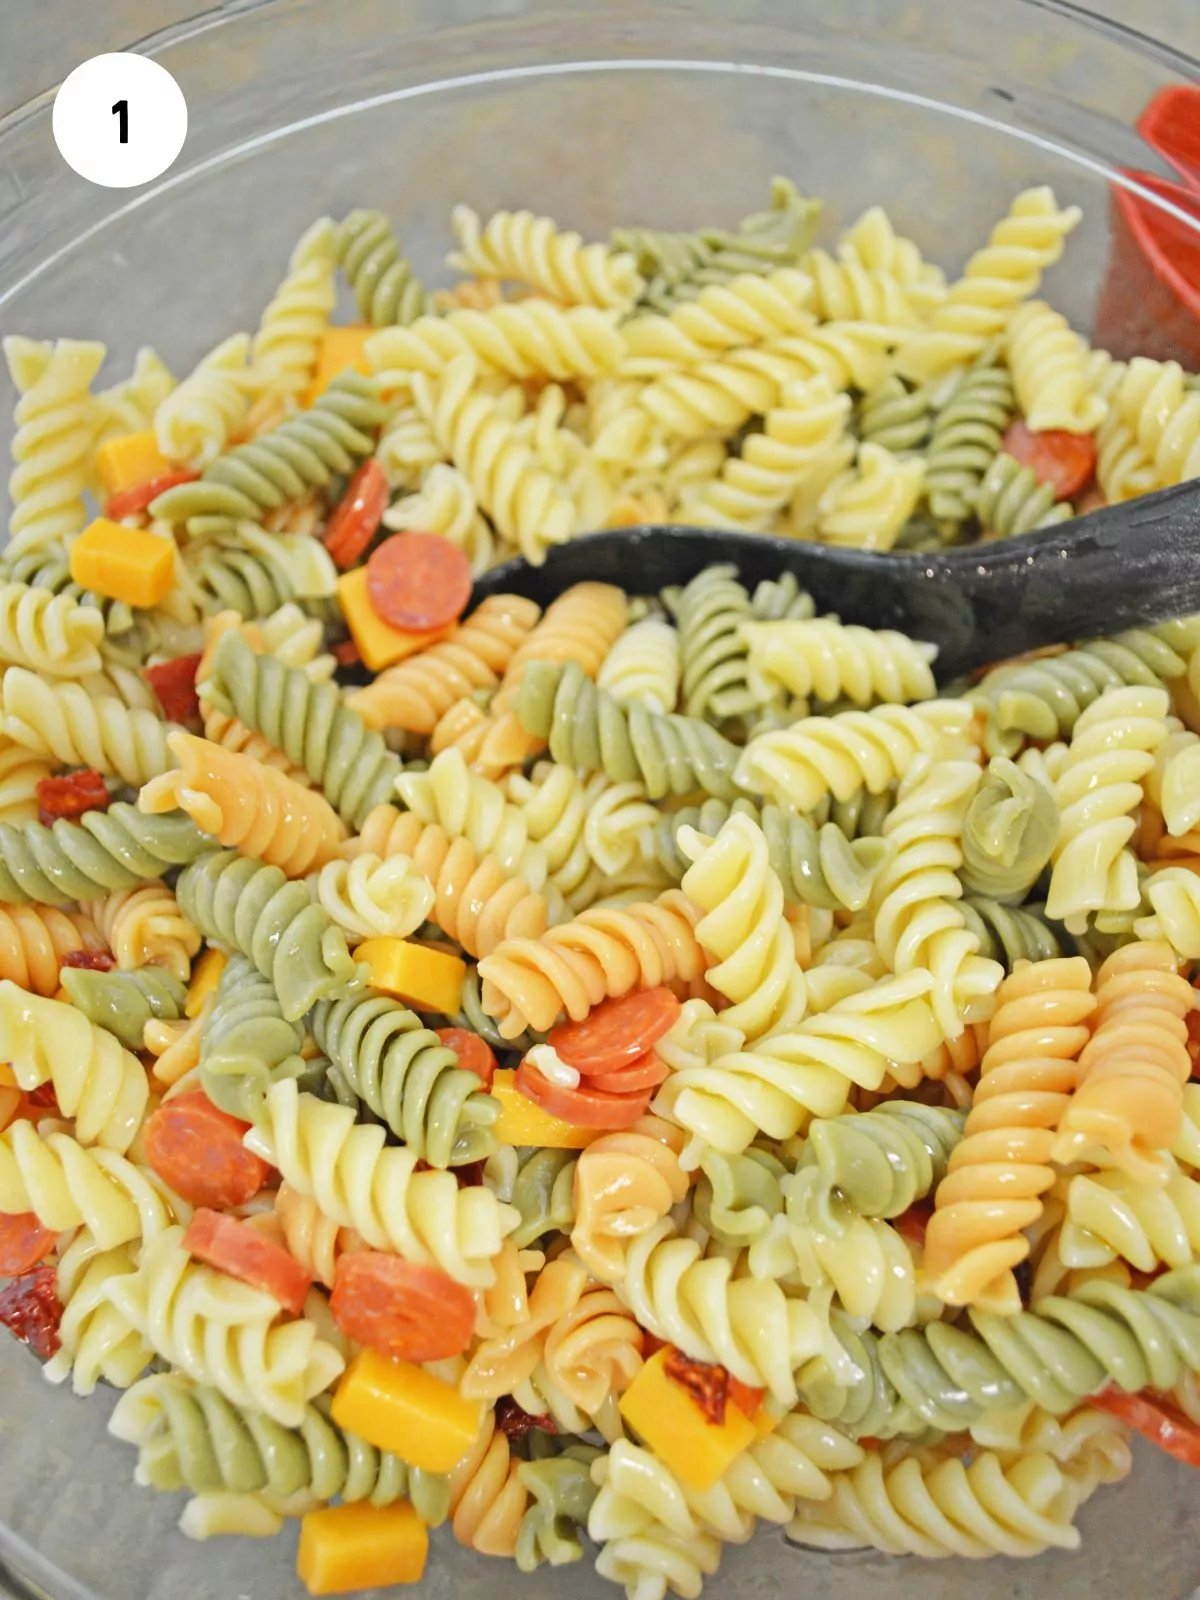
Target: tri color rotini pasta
x=605, y=1076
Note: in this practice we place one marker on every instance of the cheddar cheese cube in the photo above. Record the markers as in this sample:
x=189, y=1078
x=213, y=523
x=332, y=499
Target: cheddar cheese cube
x=428, y=979
x=379, y=644
x=521, y=1122
x=206, y=974
x=126, y=564
x=340, y=348
x=7, y=1077
x=698, y=1452
x=360, y=1546
x=400, y=1407
x=130, y=459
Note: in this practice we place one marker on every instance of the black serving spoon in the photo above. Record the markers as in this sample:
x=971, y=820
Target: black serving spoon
x=1122, y=567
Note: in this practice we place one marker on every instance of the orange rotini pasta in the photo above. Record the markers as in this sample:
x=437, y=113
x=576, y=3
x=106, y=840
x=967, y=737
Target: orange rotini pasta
x=1129, y=1103
x=998, y=1173
x=416, y=694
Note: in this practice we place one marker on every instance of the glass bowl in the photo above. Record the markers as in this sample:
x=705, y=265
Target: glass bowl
x=631, y=111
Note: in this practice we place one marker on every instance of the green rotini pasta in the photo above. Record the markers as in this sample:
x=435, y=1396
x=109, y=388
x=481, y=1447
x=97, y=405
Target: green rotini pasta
x=105, y=850
x=967, y=436
x=563, y=1494
x=190, y=1436
x=124, y=1002
x=896, y=416
x=302, y=453
x=879, y=1162
x=1009, y=833
x=1012, y=500
x=246, y=1043
x=308, y=722
x=587, y=728
x=377, y=270
x=1042, y=700
x=248, y=907
x=817, y=865
x=383, y=1055
x=945, y=1377
x=1009, y=933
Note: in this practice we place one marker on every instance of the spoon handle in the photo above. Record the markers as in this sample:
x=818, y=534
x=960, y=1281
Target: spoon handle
x=1125, y=566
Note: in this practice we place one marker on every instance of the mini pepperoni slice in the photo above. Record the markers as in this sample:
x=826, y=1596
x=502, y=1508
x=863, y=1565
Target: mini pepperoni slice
x=401, y=1308
x=472, y=1051
x=418, y=581
x=616, y=1031
x=646, y=1072
x=354, y=520
x=174, y=682
x=583, y=1107
x=197, y=1150
x=23, y=1242
x=1064, y=460
x=240, y=1250
x=129, y=502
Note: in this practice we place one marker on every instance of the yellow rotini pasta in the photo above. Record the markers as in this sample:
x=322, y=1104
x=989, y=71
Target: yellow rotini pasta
x=824, y=658
x=1098, y=785
x=196, y=420
x=60, y=719
x=218, y=1330
x=48, y=632
x=321, y=1151
x=840, y=754
x=370, y=898
x=1050, y=372
x=532, y=250
x=801, y=445
x=995, y=281
x=97, y=1082
x=743, y=928
x=67, y=1186
x=56, y=424
x=868, y=504
x=96, y=1340
x=643, y=666
x=287, y=345
x=145, y=928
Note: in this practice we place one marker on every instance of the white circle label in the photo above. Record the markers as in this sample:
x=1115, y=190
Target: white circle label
x=119, y=120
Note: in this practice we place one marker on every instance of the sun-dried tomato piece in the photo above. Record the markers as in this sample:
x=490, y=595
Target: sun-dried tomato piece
x=89, y=960
x=44, y=1096
x=71, y=794
x=744, y=1396
x=346, y=653
x=514, y=1423
x=469, y=1176
x=31, y=1310
x=707, y=1383
x=911, y=1224
x=174, y=682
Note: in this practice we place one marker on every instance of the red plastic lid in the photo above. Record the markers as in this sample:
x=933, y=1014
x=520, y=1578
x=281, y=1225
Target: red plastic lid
x=1170, y=124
